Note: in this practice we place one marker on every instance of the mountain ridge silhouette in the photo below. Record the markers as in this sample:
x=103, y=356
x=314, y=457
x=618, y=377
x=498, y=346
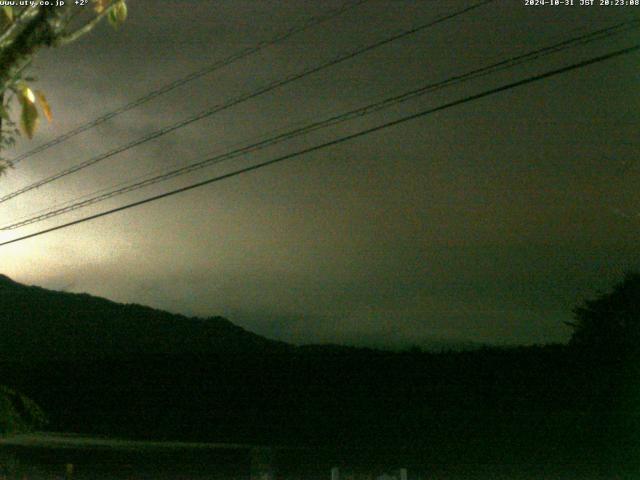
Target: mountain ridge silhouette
x=37, y=322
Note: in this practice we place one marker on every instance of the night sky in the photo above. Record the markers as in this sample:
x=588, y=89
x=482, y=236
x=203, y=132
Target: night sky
x=486, y=222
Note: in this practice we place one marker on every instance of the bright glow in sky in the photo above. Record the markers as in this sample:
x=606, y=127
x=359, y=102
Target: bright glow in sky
x=487, y=222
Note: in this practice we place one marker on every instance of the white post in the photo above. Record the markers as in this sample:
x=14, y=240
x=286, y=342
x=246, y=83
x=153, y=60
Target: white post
x=335, y=473
x=403, y=474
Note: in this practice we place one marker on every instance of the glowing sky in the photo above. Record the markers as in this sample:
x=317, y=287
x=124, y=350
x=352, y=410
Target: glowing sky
x=486, y=222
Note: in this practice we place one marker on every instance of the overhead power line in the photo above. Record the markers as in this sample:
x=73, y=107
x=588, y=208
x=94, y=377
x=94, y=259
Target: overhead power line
x=238, y=100
x=339, y=140
x=102, y=195
x=310, y=23
x=105, y=193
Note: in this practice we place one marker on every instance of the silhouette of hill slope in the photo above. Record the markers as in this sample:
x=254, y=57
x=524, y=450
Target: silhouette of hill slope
x=99, y=367
x=36, y=323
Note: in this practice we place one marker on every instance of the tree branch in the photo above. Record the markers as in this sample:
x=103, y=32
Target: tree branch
x=23, y=17
x=41, y=30
x=66, y=38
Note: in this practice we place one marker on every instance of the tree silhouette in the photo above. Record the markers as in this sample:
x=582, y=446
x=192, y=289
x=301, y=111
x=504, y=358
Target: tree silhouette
x=610, y=322
x=606, y=336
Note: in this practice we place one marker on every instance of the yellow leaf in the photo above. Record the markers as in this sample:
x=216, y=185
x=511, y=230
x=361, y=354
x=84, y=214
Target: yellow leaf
x=26, y=95
x=46, y=109
x=121, y=11
x=29, y=118
x=100, y=5
x=117, y=14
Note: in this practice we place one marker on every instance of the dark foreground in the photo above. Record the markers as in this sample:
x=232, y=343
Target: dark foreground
x=51, y=456
x=126, y=371
x=530, y=413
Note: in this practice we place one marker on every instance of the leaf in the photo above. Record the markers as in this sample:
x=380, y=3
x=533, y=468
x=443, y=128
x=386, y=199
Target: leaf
x=8, y=13
x=29, y=118
x=100, y=5
x=113, y=20
x=121, y=11
x=26, y=94
x=46, y=109
x=118, y=14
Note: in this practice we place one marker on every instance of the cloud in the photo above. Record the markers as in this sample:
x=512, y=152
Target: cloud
x=487, y=222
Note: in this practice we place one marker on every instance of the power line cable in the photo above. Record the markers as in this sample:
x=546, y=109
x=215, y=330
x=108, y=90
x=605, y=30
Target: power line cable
x=583, y=39
x=339, y=140
x=236, y=101
x=312, y=22
x=146, y=175
x=350, y=115
x=74, y=205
